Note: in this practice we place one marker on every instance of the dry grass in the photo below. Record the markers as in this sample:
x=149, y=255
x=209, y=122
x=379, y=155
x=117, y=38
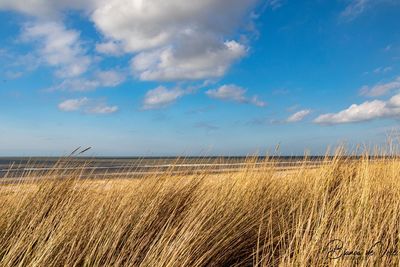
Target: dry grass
x=248, y=218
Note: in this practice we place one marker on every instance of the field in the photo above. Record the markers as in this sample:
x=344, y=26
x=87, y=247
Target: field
x=344, y=212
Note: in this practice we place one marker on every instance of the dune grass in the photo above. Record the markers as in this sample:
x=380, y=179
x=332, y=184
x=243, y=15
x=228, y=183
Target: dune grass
x=345, y=212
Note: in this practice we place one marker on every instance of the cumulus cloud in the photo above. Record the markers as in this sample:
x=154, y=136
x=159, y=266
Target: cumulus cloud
x=142, y=25
x=87, y=106
x=109, y=78
x=298, y=116
x=381, y=88
x=58, y=47
x=231, y=92
x=192, y=62
x=161, y=97
x=366, y=111
x=169, y=40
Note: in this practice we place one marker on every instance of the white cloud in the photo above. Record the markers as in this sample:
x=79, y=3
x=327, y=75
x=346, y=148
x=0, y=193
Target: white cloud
x=87, y=106
x=235, y=93
x=47, y=8
x=58, y=47
x=274, y=4
x=27, y=62
x=109, y=48
x=170, y=40
x=192, y=62
x=108, y=78
x=366, y=111
x=381, y=88
x=228, y=92
x=101, y=109
x=142, y=25
x=161, y=97
x=12, y=75
x=298, y=116
x=394, y=101
x=73, y=104
x=77, y=85
x=31, y=7
x=354, y=9
x=176, y=39
x=15, y=65
x=254, y=100
x=380, y=70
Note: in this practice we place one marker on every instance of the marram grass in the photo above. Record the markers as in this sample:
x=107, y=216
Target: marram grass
x=346, y=212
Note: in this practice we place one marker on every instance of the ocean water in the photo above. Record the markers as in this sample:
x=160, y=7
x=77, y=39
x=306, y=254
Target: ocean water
x=12, y=167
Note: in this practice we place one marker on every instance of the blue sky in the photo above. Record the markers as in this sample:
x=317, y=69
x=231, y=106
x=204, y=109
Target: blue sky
x=213, y=77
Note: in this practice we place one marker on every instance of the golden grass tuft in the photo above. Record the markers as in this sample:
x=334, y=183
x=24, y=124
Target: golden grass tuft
x=246, y=218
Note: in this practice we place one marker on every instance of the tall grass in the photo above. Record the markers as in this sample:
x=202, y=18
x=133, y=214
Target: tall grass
x=344, y=212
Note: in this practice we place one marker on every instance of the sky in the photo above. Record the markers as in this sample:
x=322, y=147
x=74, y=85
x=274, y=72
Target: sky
x=210, y=77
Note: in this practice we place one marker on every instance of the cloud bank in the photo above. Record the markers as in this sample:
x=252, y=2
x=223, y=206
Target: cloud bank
x=166, y=41
x=171, y=40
